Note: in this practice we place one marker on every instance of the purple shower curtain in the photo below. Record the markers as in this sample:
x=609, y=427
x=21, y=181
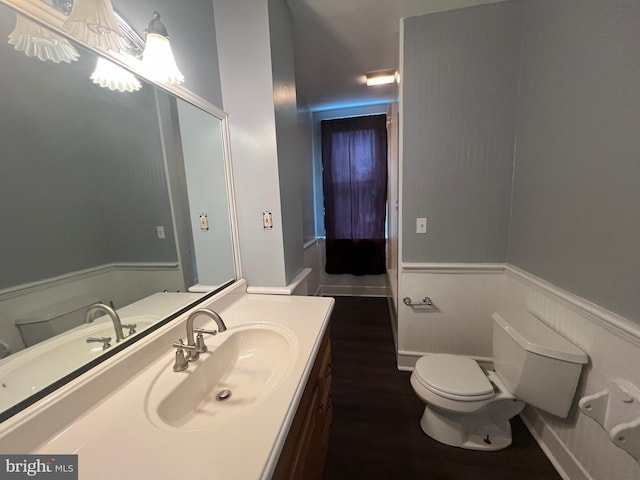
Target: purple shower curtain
x=354, y=160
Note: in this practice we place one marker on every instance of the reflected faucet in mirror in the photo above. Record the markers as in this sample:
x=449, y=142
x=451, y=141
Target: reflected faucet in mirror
x=115, y=318
x=106, y=341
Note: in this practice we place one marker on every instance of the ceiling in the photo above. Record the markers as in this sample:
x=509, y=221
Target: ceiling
x=338, y=41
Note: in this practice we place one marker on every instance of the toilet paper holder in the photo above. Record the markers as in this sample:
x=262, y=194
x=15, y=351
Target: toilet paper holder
x=617, y=409
x=426, y=302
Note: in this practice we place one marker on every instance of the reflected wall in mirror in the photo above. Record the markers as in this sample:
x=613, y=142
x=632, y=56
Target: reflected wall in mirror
x=101, y=199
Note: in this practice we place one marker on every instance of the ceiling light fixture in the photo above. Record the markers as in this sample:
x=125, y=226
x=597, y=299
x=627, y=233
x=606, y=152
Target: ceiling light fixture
x=382, y=77
x=37, y=41
x=94, y=22
x=158, y=61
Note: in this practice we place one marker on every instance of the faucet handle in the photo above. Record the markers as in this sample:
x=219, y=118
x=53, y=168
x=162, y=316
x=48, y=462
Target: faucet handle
x=131, y=326
x=179, y=344
x=106, y=341
x=181, y=363
x=204, y=330
x=201, y=347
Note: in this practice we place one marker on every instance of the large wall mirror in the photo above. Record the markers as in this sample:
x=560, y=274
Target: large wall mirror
x=110, y=197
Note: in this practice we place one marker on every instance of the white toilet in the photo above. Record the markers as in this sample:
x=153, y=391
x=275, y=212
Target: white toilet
x=470, y=407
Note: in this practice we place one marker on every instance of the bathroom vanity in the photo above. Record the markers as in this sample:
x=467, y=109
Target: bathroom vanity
x=305, y=450
x=255, y=405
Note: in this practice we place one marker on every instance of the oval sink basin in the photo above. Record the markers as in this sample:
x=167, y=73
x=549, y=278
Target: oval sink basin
x=32, y=369
x=238, y=373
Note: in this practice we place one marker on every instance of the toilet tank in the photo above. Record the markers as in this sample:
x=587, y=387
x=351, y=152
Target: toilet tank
x=536, y=364
x=49, y=321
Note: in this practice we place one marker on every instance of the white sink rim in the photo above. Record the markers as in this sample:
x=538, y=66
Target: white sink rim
x=166, y=382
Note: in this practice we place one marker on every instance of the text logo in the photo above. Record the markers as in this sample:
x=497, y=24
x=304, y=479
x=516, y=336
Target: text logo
x=51, y=467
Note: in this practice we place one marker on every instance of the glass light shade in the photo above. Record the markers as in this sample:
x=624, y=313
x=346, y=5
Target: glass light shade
x=158, y=61
x=381, y=78
x=37, y=41
x=94, y=22
x=109, y=75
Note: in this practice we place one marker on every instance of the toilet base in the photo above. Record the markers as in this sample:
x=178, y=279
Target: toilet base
x=472, y=432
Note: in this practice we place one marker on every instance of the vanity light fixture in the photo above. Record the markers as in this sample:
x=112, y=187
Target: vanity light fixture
x=94, y=22
x=109, y=75
x=382, y=77
x=37, y=41
x=158, y=61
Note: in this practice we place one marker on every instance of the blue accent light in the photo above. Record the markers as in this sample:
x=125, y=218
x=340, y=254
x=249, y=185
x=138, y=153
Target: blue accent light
x=354, y=104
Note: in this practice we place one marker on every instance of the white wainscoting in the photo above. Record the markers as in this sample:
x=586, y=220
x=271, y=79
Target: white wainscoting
x=313, y=260
x=580, y=448
x=466, y=295
x=122, y=283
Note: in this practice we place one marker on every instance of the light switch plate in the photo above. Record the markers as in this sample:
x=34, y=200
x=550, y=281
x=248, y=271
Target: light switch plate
x=421, y=225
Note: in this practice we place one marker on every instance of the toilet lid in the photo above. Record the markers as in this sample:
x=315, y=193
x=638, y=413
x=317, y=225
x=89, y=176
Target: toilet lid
x=454, y=377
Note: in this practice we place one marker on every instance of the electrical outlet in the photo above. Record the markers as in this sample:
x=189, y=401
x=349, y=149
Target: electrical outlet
x=421, y=225
x=204, y=222
x=160, y=231
x=267, y=220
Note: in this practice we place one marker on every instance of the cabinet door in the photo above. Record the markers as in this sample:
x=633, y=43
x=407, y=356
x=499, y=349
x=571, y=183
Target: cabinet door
x=305, y=464
x=305, y=450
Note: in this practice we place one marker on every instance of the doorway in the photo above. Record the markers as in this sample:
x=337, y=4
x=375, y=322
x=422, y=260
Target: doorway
x=354, y=161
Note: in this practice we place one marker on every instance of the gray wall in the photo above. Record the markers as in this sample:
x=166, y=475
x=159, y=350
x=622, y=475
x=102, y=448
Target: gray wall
x=247, y=87
x=131, y=177
x=576, y=206
x=307, y=188
x=286, y=117
x=459, y=86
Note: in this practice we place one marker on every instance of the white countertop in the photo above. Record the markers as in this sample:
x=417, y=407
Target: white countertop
x=117, y=438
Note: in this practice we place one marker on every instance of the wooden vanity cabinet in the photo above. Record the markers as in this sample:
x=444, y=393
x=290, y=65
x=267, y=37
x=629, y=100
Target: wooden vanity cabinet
x=305, y=450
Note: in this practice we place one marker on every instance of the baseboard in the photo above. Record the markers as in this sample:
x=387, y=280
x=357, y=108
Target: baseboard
x=353, y=291
x=407, y=360
x=394, y=323
x=562, y=459
x=288, y=290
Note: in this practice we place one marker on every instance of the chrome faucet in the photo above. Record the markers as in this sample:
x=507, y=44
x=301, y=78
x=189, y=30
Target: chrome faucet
x=200, y=347
x=101, y=307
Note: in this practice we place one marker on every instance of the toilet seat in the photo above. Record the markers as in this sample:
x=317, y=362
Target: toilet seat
x=453, y=377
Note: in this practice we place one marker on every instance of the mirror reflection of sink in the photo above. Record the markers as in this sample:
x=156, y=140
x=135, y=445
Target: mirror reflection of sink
x=32, y=369
x=248, y=364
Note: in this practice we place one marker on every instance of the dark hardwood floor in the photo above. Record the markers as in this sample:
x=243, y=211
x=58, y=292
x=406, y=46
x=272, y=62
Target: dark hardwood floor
x=376, y=425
